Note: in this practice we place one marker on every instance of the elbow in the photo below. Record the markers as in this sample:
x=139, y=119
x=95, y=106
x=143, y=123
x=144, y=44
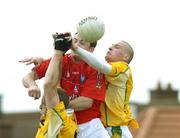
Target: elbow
x=29, y=79
x=24, y=82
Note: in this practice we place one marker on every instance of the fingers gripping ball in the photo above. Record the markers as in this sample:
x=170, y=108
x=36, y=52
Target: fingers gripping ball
x=62, y=41
x=91, y=29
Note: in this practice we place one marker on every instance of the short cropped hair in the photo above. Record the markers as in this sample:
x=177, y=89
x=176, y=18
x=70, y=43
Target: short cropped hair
x=93, y=44
x=130, y=51
x=63, y=96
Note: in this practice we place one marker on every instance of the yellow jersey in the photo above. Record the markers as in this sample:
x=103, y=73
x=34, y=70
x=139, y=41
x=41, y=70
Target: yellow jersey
x=57, y=124
x=116, y=111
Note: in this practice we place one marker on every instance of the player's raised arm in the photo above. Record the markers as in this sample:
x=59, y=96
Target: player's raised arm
x=62, y=43
x=93, y=60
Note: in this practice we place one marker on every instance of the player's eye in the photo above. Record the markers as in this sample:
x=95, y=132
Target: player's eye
x=82, y=42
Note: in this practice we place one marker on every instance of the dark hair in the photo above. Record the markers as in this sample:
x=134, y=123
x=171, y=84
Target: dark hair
x=93, y=44
x=63, y=96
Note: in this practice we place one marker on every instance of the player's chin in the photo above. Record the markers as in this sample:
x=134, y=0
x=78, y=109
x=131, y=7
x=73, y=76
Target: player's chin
x=107, y=58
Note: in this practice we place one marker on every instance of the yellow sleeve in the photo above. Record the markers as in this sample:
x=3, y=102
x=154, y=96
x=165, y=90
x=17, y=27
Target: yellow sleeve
x=55, y=120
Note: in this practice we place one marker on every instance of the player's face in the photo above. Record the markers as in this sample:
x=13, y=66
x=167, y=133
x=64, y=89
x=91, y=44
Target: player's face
x=81, y=43
x=115, y=53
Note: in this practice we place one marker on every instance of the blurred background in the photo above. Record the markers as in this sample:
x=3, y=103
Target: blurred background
x=150, y=26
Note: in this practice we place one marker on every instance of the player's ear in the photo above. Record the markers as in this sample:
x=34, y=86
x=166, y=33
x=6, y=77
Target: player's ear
x=126, y=58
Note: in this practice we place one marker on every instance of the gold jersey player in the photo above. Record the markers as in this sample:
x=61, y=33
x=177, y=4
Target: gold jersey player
x=65, y=126
x=116, y=114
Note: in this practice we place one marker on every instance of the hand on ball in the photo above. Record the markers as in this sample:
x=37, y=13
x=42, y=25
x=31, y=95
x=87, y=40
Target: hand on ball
x=62, y=41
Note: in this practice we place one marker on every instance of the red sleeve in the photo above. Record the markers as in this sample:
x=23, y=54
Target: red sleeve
x=41, y=69
x=94, y=86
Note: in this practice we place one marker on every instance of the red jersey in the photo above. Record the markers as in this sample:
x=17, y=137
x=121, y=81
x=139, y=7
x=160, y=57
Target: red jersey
x=79, y=79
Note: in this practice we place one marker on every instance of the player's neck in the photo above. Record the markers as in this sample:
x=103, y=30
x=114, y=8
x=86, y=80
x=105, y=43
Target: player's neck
x=76, y=59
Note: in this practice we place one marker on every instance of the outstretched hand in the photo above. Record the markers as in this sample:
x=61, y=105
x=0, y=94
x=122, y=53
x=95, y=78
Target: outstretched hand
x=62, y=41
x=32, y=60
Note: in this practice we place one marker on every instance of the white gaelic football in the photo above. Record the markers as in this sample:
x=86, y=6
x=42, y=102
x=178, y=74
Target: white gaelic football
x=91, y=29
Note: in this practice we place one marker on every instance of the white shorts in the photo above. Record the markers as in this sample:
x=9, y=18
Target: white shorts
x=92, y=129
x=125, y=132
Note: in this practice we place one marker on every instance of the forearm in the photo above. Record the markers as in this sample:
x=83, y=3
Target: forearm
x=93, y=61
x=51, y=80
x=29, y=79
x=81, y=103
x=53, y=73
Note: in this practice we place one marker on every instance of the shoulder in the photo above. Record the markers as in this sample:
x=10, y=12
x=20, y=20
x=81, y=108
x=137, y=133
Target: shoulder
x=119, y=63
x=119, y=67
